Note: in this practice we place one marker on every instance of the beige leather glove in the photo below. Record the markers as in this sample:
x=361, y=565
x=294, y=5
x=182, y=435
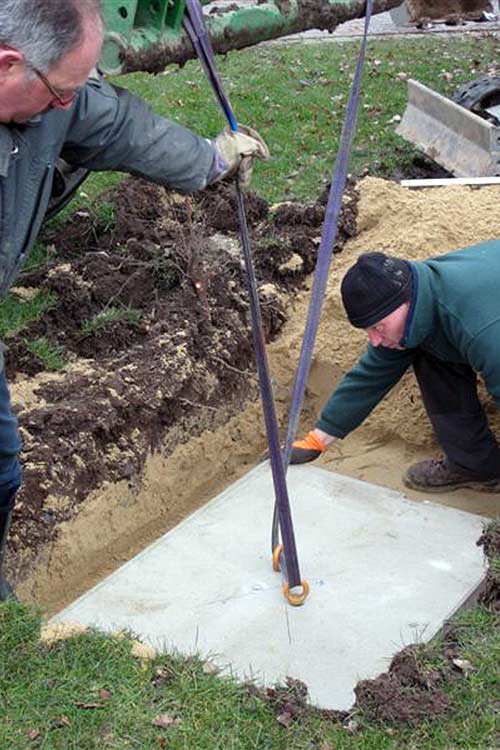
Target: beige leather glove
x=239, y=150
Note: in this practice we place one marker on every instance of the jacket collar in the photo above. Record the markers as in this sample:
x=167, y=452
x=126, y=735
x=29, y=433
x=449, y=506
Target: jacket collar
x=421, y=315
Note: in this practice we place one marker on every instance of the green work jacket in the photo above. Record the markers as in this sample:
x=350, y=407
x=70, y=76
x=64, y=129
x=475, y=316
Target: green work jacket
x=454, y=315
x=107, y=128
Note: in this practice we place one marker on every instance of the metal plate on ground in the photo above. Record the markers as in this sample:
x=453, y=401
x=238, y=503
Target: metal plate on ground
x=384, y=572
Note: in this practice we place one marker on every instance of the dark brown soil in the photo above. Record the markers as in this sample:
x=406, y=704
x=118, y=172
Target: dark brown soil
x=490, y=542
x=170, y=271
x=421, y=168
x=290, y=703
x=405, y=693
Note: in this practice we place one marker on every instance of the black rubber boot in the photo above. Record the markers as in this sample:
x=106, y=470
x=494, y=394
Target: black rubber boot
x=6, y=591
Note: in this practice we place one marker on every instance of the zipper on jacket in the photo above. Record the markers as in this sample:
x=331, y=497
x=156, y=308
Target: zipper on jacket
x=35, y=219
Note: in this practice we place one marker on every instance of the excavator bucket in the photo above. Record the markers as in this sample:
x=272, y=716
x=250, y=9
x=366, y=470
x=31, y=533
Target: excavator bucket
x=422, y=11
x=460, y=141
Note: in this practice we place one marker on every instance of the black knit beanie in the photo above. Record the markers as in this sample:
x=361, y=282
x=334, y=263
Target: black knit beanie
x=374, y=287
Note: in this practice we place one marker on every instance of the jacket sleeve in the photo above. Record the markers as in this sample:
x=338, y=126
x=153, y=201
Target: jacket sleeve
x=111, y=129
x=484, y=358
x=360, y=390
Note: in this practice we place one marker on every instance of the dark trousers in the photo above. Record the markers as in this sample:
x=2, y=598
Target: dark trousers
x=10, y=445
x=449, y=392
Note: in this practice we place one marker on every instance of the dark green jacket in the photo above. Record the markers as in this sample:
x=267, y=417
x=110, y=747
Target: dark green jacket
x=454, y=315
x=106, y=128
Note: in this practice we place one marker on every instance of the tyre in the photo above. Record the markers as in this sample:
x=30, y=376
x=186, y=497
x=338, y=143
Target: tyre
x=480, y=95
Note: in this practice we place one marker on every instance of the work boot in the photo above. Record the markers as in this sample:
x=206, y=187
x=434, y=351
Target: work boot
x=437, y=476
x=6, y=591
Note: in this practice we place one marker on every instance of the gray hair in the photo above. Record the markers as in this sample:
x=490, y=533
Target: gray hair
x=44, y=30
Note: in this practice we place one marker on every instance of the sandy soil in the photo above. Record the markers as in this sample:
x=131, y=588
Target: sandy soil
x=118, y=519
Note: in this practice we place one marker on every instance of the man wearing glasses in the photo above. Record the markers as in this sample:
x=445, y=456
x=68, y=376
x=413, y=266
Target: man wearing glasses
x=49, y=108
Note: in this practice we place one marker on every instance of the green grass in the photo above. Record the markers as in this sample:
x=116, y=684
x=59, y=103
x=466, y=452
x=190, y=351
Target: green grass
x=16, y=314
x=108, y=316
x=296, y=96
x=51, y=355
x=88, y=692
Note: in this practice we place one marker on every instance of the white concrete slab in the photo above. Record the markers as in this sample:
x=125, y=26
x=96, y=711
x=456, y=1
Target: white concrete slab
x=384, y=572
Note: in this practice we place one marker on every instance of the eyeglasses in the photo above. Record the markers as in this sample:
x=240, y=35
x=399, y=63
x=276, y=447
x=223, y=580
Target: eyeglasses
x=62, y=97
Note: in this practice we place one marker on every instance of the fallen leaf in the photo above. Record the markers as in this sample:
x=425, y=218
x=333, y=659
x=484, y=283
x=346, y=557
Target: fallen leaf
x=62, y=721
x=463, y=665
x=352, y=726
x=166, y=720
x=285, y=718
x=210, y=668
x=34, y=734
x=142, y=650
x=104, y=694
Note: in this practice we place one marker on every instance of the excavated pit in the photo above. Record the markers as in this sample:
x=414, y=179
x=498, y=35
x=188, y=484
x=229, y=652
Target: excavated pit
x=157, y=409
x=150, y=310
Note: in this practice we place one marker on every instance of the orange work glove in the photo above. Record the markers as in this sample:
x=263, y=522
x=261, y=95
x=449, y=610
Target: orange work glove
x=307, y=450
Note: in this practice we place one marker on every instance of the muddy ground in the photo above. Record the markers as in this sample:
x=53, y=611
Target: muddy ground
x=157, y=409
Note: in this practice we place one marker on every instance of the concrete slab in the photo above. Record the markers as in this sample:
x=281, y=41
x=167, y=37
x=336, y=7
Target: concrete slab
x=384, y=572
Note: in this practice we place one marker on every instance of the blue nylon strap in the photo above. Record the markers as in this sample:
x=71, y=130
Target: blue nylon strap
x=194, y=23
x=195, y=27
x=325, y=252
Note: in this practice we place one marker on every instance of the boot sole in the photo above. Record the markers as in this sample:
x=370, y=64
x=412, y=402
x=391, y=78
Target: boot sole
x=493, y=486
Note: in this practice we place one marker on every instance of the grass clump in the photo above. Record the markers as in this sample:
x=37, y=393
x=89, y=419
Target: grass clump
x=51, y=355
x=16, y=314
x=108, y=317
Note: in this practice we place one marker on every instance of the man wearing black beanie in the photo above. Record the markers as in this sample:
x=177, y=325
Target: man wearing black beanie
x=441, y=317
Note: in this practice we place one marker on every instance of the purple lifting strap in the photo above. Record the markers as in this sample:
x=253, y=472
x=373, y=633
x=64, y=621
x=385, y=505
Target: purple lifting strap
x=325, y=252
x=195, y=27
